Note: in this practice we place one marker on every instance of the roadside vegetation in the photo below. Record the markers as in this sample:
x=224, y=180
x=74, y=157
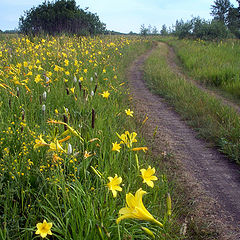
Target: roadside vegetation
x=218, y=123
x=213, y=64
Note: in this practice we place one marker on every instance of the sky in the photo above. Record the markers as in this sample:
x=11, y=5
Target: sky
x=119, y=15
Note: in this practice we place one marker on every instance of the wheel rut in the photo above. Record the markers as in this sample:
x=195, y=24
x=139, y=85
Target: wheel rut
x=215, y=181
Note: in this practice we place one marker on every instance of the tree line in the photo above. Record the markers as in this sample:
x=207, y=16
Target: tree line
x=225, y=24
x=61, y=16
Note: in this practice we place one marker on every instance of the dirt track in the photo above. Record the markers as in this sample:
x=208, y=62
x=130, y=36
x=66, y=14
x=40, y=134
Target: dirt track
x=213, y=182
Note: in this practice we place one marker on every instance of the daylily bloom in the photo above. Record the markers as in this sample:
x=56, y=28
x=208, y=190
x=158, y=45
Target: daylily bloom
x=87, y=154
x=116, y=147
x=44, y=229
x=147, y=176
x=40, y=142
x=129, y=112
x=113, y=184
x=55, y=146
x=128, y=138
x=135, y=208
x=105, y=94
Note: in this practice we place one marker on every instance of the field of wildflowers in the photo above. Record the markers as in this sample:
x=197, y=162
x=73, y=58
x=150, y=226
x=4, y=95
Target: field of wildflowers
x=72, y=165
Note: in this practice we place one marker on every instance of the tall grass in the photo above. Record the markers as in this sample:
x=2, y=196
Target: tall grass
x=212, y=63
x=58, y=126
x=215, y=122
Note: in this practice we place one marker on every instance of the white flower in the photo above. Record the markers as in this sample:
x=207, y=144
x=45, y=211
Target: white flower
x=43, y=107
x=75, y=79
x=91, y=79
x=92, y=93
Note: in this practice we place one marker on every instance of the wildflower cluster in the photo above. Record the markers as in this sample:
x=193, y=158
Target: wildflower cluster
x=60, y=110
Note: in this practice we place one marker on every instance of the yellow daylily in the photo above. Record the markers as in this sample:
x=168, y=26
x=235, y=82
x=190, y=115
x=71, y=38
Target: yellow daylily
x=147, y=176
x=40, y=142
x=128, y=138
x=56, y=147
x=135, y=208
x=113, y=184
x=116, y=147
x=44, y=229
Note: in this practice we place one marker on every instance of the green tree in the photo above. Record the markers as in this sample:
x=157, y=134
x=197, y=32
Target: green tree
x=220, y=10
x=154, y=30
x=61, y=16
x=164, y=30
x=143, y=30
x=233, y=21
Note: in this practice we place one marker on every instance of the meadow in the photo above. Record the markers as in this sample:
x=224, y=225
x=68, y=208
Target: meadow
x=72, y=163
x=214, y=64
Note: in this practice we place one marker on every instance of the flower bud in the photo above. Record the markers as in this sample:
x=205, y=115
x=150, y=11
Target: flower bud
x=69, y=152
x=44, y=96
x=148, y=231
x=169, y=205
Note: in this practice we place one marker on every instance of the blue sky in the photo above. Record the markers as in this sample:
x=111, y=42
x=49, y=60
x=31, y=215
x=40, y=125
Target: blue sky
x=123, y=16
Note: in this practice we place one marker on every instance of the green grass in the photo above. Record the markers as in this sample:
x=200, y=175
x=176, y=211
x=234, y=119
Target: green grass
x=211, y=63
x=217, y=123
x=69, y=188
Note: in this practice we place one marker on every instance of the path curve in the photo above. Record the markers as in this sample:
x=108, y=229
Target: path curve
x=211, y=171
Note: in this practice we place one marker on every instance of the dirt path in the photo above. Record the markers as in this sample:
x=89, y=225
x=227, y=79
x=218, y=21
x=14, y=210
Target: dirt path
x=213, y=182
x=172, y=59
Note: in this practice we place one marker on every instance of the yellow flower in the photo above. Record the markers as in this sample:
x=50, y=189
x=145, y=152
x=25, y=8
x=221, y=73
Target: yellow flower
x=40, y=142
x=129, y=112
x=116, y=147
x=72, y=90
x=128, y=138
x=87, y=154
x=105, y=94
x=135, y=208
x=56, y=147
x=144, y=149
x=44, y=229
x=113, y=184
x=147, y=176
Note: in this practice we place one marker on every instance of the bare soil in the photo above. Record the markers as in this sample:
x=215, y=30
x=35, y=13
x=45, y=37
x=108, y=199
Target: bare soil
x=211, y=182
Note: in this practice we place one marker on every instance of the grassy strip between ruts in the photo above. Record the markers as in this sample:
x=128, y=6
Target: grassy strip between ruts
x=58, y=135
x=215, y=122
